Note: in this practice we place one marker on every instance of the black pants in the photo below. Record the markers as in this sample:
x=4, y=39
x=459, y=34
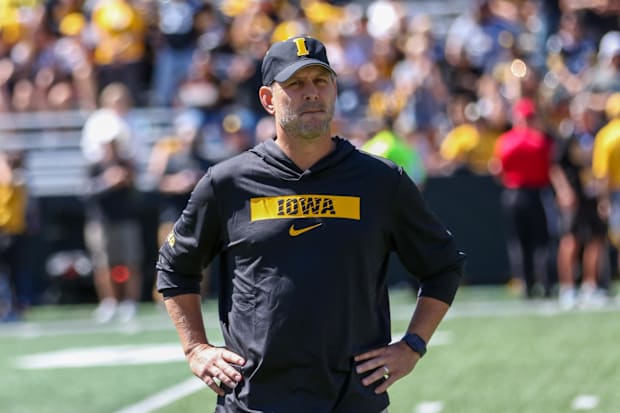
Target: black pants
x=10, y=266
x=527, y=236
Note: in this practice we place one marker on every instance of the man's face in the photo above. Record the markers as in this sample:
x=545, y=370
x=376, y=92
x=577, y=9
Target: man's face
x=304, y=104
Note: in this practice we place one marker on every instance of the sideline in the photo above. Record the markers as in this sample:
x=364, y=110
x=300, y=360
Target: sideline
x=400, y=312
x=137, y=354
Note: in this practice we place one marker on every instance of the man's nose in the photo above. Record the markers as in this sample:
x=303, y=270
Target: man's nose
x=311, y=92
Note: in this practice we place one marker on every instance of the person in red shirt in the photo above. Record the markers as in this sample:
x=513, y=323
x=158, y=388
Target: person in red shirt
x=525, y=153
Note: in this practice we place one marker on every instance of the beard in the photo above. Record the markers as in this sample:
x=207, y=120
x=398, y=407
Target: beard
x=307, y=126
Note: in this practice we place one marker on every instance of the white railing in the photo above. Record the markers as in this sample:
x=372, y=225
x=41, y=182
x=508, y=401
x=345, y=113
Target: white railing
x=51, y=144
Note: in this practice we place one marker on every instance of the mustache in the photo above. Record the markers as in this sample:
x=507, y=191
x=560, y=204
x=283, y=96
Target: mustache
x=312, y=106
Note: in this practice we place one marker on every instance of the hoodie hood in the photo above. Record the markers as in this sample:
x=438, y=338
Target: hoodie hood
x=283, y=167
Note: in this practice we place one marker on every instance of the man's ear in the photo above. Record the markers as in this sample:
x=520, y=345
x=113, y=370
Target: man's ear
x=266, y=99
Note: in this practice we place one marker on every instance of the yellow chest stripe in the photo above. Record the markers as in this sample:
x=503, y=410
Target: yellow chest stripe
x=305, y=206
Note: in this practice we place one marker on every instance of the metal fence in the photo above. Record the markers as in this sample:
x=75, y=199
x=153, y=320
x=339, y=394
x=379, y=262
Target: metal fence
x=50, y=142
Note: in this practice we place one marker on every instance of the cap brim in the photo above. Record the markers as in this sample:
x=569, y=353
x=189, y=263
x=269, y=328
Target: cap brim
x=285, y=74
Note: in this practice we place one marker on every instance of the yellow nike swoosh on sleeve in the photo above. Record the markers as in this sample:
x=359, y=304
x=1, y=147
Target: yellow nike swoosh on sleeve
x=293, y=232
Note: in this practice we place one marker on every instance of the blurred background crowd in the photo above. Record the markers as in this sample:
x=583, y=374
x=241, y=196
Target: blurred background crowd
x=446, y=89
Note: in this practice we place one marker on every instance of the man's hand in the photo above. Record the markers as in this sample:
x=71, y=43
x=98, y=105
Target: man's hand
x=116, y=176
x=387, y=364
x=213, y=366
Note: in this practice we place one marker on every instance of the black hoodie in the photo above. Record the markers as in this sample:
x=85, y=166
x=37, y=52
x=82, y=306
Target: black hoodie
x=303, y=283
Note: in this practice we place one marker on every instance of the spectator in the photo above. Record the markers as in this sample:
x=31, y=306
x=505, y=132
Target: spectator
x=388, y=144
x=112, y=231
x=120, y=46
x=478, y=40
x=525, y=155
x=581, y=226
x=603, y=78
x=570, y=52
x=469, y=145
x=13, y=227
x=176, y=164
x=418, y=82
x=599, y=17
x=175, y=43
x=108, y=120
x=606, y=167
x=75, y=54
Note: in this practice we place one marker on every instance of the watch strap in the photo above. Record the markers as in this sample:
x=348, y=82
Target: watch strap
x=416, y=343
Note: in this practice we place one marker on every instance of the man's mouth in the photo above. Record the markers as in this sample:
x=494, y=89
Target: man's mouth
x=313, y=110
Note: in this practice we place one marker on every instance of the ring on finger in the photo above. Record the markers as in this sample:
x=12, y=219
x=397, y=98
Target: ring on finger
x=386, y=372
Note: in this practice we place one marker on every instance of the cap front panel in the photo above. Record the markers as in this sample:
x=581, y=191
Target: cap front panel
x=285, y=58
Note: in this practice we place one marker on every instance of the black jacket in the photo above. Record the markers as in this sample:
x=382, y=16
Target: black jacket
x=304, y=256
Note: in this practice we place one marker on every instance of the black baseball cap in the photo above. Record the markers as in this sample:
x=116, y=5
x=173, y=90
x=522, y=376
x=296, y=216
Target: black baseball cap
x=285, y=58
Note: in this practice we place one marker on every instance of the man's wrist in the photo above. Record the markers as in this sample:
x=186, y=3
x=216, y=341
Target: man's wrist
x=196, y=347
x=415, y=343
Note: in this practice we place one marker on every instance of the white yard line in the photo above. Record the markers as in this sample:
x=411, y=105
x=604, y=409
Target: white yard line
x=83, y=327
x=585, y=402
x=166, y=397
x=121, y=355
x=428, y=407
x=136, y=354
x=545, y=308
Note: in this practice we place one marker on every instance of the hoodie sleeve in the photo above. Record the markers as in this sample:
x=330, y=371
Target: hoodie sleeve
x=192, y=244
x=426, y=249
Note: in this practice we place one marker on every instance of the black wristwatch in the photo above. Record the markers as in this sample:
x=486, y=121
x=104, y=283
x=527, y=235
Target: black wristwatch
x=416, y=343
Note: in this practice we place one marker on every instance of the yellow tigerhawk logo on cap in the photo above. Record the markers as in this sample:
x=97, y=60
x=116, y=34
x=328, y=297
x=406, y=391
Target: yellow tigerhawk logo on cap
x=302, y=50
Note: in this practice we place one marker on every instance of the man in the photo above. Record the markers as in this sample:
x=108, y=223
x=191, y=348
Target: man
x=388, y=144
x=14, y=225
x=582, y=229
x=525, y=153
x=303, y=225
x=606, y=168
x=112, y=231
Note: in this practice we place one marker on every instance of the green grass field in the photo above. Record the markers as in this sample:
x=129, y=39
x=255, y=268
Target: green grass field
x=493, y=354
